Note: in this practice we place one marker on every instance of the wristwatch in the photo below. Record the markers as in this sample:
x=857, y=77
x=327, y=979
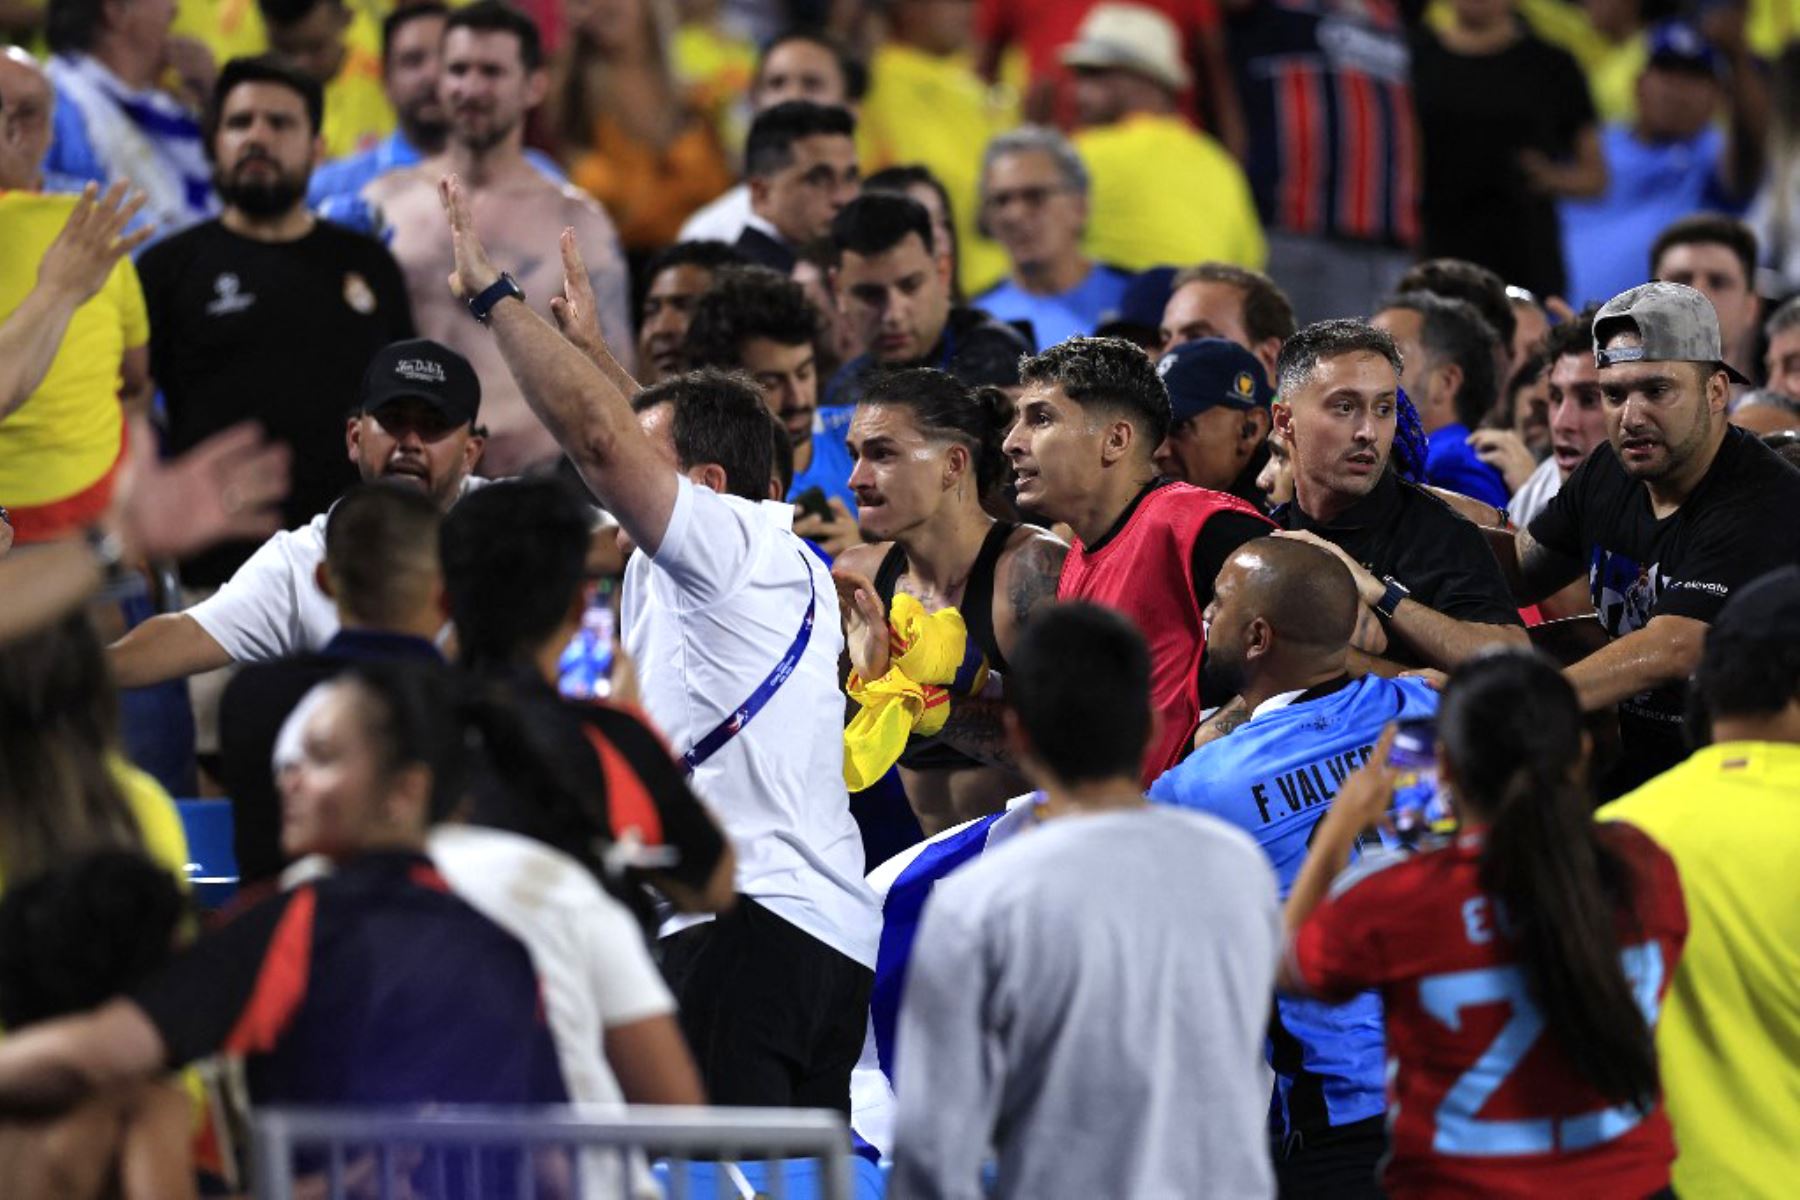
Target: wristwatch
x=1391, y=598
x=481, y=305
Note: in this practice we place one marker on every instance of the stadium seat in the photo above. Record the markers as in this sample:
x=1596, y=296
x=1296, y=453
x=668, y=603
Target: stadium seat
x=212, y=863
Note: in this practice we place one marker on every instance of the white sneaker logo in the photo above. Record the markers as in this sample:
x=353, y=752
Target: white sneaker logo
x=229, y=299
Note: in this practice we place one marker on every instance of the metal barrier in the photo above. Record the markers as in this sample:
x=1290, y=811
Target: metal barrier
x=720, y=1141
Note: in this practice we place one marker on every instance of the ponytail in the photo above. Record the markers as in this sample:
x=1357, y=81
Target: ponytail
x=541, y=800
x=942, y=407
x=1512, y=731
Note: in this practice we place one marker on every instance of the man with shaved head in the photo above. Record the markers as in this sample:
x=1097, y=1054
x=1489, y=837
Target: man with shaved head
x=1279, y=629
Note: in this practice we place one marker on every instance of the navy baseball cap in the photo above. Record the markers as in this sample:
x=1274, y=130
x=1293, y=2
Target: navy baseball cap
x=1681, y=46
x=424, y=370
x=1140, y=305
x=1213, y=372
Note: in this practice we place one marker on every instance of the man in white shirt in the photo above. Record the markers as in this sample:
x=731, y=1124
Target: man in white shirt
x=735, y=623
x=1090, y=999
x=415, y=425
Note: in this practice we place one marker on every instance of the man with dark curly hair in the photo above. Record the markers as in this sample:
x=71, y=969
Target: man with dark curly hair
x=1092, y=414
x=758, y=322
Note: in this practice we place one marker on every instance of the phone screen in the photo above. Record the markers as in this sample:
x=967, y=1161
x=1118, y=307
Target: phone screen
x=584, y=672
x=1417, y=802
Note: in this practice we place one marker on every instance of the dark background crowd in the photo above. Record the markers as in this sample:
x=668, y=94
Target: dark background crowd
x=638, y=503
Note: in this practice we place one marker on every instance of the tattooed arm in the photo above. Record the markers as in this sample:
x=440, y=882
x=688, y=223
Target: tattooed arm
x=975, y=727
x=1027, y=572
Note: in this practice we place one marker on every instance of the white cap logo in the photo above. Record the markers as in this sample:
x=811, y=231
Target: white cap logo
x=419, y=370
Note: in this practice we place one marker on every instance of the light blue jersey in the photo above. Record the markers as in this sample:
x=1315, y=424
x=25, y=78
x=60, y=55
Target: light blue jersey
x=1274, y=777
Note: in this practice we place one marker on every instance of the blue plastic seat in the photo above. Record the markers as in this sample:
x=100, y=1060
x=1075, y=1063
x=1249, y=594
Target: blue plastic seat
x=212, y=861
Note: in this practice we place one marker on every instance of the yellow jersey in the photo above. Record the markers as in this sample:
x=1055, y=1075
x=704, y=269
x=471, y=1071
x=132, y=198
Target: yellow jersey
x=66, y=434
x=1166, y=193
x=357, y=113
x=935, y=111
x=1729, y=1040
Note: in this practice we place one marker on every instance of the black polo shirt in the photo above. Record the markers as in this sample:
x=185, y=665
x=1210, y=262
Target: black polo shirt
x=1402, y=531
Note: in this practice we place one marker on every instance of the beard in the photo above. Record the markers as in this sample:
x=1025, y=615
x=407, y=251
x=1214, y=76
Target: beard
x=269, y=196
x=481, y=134
x=1220, y=678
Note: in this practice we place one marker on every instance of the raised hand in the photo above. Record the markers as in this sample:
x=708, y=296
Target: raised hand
x=1507, y=453
x=474, y=273
x=834, y=535
x=865, y=624
x=577, y=312
x=228, y=486
x=81, y=259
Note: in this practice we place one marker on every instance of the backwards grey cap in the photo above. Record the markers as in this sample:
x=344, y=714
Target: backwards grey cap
x=1674, y=323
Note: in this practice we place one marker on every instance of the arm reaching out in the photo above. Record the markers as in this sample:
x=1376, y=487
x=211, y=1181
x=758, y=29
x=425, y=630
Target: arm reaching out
x=586, y=407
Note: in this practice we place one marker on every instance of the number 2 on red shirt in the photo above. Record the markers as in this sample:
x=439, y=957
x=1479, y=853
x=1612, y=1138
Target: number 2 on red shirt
x=1459, y=1130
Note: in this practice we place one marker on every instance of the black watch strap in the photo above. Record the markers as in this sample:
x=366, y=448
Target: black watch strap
x=1391, y=598
x=482, y=305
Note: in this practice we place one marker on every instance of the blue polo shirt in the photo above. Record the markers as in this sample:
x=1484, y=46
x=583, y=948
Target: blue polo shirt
x=1451, y=463
x=1057, y=318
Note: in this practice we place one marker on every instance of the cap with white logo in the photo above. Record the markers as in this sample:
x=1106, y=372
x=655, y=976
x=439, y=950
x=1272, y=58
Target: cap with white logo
x=1673, y=322
x=424, y=370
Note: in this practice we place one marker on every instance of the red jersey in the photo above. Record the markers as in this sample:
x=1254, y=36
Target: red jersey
x=1479, y=1100
x=1145, y=570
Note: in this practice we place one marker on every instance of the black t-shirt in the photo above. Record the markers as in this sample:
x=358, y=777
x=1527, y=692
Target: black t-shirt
x=276, y=331
x=1476, y=113
x=1404, y=532
x=1742, y=522
x=619, y=776
x=974, y=347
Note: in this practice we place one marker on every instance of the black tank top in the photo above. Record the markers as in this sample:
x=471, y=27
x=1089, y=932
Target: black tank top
x=977, y=609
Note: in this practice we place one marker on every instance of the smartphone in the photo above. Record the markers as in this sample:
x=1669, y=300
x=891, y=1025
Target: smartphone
x=1418, y=804
x=584, y=672
x=814, y=503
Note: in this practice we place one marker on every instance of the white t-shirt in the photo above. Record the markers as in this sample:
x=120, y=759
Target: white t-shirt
x=593, y=967
x=272, y=607
x=1535, y=494
x=707, y=618
x=723, y=220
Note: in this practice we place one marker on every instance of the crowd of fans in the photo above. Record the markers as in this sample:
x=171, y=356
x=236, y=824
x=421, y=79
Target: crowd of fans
x=1147, y=599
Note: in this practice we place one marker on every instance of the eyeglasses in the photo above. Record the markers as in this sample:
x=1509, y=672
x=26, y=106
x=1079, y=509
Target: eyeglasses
x=1030, y=197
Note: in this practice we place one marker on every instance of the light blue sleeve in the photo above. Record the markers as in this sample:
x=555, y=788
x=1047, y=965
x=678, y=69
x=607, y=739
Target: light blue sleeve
x=71, y=153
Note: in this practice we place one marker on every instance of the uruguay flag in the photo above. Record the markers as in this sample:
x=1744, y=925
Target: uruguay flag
x=904, y=882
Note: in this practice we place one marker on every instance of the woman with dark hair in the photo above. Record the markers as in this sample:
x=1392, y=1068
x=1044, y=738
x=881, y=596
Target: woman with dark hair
x=1521, y=966
x=364, y=1016
x=65, y=788
x=927, y=451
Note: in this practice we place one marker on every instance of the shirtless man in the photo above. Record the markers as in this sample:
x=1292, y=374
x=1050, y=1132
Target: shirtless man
x=492, y=76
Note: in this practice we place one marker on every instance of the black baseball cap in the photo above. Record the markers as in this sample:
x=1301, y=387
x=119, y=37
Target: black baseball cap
x=424, y=370
x=1211, y=372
